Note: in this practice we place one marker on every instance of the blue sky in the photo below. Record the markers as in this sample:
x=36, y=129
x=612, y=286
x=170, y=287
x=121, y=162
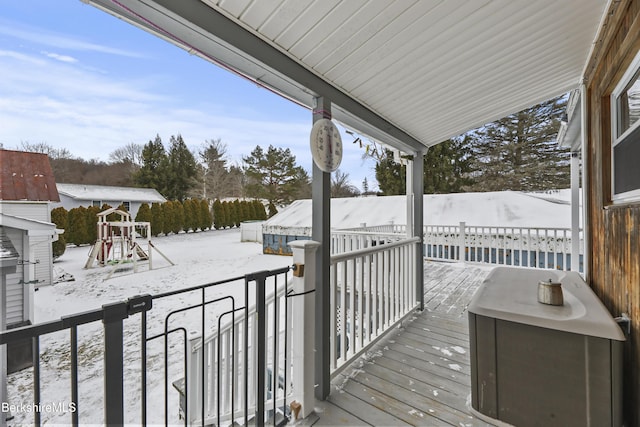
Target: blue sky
x=75, y=77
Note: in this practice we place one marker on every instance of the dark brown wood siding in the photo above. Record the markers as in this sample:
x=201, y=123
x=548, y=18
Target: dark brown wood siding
x=614, y=230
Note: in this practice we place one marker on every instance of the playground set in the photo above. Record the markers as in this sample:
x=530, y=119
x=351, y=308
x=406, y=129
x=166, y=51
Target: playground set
x=117, y=243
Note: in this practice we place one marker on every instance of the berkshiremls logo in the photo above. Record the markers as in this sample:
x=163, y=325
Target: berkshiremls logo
x=51, y=407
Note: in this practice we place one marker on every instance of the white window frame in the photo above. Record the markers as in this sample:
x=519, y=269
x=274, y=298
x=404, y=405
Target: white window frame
x=632, y=195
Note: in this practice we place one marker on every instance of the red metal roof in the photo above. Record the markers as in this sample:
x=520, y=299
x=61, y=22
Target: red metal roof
x=26, y=176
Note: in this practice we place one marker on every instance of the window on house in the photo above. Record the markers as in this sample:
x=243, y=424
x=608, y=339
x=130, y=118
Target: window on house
x=626, y=135
x=97, y=203
x=127, y=206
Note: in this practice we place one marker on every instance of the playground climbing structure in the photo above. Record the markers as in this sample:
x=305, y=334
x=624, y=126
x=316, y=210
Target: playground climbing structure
x=117, y=244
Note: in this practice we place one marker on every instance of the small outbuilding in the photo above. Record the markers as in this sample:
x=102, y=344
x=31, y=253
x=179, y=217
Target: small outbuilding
x=27, y=186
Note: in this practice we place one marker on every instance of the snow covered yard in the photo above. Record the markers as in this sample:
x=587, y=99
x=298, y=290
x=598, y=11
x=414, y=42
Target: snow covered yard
x=200, y=258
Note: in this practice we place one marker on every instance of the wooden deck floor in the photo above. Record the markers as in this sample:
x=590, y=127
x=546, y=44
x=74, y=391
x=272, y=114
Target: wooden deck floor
x=419, y=374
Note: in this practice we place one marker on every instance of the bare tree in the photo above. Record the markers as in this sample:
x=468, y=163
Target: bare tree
x=130, y=153
x=341, y=187
x=44, y=148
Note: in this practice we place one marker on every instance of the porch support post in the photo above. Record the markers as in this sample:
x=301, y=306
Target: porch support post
x=321, y=232
x=303, y=314
x=415, y=218
x=575, y=211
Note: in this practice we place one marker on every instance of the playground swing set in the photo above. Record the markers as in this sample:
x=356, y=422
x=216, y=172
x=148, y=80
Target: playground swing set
x=117, y=243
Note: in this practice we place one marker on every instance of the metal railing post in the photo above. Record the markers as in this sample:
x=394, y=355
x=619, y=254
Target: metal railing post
x=261, y=334
x=114, y=314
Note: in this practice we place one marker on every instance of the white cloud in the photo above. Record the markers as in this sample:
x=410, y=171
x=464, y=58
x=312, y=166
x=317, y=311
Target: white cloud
x=59, y=57
x=61, y=41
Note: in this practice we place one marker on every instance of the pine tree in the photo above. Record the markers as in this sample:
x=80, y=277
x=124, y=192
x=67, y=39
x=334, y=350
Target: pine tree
x=273, y=175
x=181, y=170
x=251, y=211
x=272, y=210
x=237, y=208
x=154, y=163
x=227, y=215
x=519, y=152
x=60, y=217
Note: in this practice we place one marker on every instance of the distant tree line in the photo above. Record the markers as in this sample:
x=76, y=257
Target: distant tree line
x=171, y=217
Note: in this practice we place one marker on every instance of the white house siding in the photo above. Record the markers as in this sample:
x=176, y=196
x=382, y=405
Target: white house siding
x=15, y=287
x=41, y=255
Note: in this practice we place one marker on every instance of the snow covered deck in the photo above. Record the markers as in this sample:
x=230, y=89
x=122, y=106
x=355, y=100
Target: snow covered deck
x=419, y=375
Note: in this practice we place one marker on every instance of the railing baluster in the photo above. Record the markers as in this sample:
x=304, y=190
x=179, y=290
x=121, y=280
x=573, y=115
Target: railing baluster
x=74, y=373
x=36, y=378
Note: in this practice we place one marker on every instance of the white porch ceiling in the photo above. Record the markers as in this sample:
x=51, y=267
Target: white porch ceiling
x=407, y=73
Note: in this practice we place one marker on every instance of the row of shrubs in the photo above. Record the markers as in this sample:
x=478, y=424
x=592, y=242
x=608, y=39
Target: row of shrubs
x=165, y=218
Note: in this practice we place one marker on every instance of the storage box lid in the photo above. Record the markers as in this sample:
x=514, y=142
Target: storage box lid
x=511, y=294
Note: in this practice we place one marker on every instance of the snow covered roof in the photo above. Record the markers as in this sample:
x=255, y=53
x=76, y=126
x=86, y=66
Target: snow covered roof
x=32, y=226
x=26, y=176
x=109, y=193
x=501, y=208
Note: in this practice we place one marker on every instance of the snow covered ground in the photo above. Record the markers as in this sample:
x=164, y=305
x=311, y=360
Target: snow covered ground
x=200, y=258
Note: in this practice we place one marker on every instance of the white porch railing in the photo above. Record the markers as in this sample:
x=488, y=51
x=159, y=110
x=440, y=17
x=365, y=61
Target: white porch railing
x=352, y=240
x=515, y=246
x=372, y=289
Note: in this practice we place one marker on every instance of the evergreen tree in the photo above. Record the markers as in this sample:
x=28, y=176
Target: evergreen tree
x=215, y=180
x=519, y=152
x=154, y=163
x=273, y=175
x=227, y=215
x=92, y=223
x=178, y=220
x=157, y=219
x=237, y=208
x=251, y=210
x=218, y=213
x=205, y=215
x=447, y=169
x=169, y=217
x=77, y=231
x=261, y=213
x=60, y=217
x=144, y=215
x=181, y=170
x=391, y=176
x=272, y=210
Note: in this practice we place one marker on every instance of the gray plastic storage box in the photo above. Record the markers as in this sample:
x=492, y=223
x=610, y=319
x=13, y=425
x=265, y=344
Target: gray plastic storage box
x=535, y=364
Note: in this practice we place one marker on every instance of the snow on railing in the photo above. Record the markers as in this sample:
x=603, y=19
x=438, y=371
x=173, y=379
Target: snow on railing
x=533, y=247
x=351, y=240
x=372, y=289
